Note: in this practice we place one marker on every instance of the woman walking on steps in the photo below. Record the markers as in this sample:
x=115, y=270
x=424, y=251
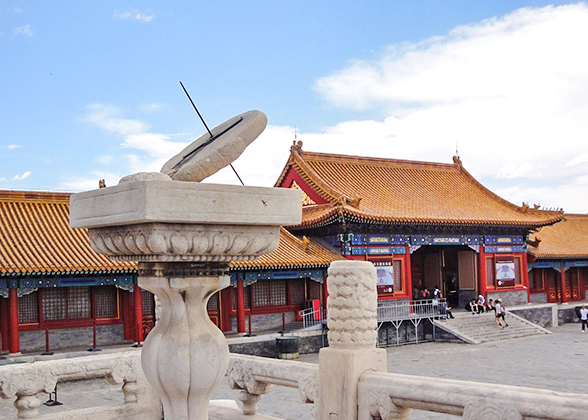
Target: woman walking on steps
x=500, y=312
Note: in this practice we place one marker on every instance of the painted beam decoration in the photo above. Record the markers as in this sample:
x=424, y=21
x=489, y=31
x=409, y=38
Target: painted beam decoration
x=379, y=239
x=251, y=277
x=493, y=249
x=504, y=240
x=378, y=250
x=444, y=240
x=30, y=284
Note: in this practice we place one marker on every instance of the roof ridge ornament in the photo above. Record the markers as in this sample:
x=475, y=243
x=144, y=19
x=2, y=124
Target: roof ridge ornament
x=296, y=146
x=457, y=161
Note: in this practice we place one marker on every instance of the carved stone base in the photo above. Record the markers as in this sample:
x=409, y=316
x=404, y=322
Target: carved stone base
x=185, y=356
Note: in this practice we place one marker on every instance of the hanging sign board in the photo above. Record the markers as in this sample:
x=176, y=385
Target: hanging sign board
x=505, y=273
x=385, y=282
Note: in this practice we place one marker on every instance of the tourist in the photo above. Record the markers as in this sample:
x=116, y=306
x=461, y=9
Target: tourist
x=481, y=304
x=472, y=306
x=490, y=306
x=500, y=313
x=584, y=317
x=426, y=294
x=437, y=293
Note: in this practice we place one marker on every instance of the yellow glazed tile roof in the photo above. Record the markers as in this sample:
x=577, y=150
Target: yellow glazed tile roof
x=292, y=252
x=375, y=190
x=568, y=239
x=35, y=237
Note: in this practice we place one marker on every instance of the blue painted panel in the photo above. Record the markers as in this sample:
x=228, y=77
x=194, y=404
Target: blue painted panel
x=576, y=264
x=504, y=239
x=444, y=240
x=378, y=250
x=492, y=249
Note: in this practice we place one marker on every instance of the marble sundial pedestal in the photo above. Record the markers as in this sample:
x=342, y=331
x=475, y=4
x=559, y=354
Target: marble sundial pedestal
x=183, y=235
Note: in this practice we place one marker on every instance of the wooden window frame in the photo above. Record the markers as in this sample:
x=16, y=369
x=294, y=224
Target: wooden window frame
x=72, y=322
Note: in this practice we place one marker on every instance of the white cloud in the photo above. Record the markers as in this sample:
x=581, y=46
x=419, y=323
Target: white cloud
x=2, y=179
x=107, y=117
x=21, y=177
x=133, y=14
x=578, y=160
x=150, y=108
x=151, y=150
x=12, y=146
x=510, y=91
x=513, y=170
x=24, y=30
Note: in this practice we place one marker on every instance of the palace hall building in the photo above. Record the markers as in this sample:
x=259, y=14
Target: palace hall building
x=56, y=291
x=558, y=261
x=423, y=224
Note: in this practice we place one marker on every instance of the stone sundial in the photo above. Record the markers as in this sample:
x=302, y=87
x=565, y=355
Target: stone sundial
x=183, y=234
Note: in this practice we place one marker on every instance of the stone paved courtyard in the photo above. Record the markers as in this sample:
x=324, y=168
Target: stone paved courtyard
x=557, y=361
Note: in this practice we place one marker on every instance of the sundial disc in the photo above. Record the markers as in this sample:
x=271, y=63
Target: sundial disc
x=207, y=155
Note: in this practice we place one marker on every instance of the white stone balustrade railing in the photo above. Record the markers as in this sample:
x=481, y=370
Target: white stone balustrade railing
x=27, y=380
x=392, y=396
x=255, y=376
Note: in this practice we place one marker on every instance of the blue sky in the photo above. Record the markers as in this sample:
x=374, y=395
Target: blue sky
x=89, y=90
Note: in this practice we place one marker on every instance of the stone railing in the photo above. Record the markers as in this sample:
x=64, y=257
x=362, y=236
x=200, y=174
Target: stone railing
x=254, y=376
x=27, y=380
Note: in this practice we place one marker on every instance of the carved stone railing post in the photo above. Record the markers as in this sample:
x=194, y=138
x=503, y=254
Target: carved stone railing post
x=352, y=322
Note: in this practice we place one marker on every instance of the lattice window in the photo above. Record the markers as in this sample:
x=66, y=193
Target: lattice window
x=213, y=302
x=297, y=292
x=536, y=279
x=261, y=293
x=54, y=304
x=397, y=275
x=278, y=293
x=28, y=308
x=246, y=297
x=517, y=263
x=490, y=275
x=79, y=302
x=148, y=302
x=106, y=302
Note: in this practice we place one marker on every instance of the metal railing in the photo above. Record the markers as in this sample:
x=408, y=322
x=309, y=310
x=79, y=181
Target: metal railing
x=395, y=311
x=313, y=316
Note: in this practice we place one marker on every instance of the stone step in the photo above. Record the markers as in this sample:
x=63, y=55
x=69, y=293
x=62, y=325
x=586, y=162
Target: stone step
x=482, y=328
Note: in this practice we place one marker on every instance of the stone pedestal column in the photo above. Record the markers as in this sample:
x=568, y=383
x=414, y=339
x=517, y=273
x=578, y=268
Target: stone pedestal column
x=184, y=235
x=185, y=356
x=352, y=321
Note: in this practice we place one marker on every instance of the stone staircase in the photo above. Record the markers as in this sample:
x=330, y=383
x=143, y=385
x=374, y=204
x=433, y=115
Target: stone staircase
x=476, y=329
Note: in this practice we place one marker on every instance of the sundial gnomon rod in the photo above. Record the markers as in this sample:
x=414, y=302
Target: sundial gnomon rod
x=207, y=129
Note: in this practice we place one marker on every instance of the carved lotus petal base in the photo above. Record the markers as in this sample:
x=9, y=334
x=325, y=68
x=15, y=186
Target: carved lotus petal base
x=181, y=242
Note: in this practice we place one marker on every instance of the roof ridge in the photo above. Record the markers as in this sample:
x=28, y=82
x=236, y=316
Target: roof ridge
x=379, y=160
x=309, y=175
x=37, y=196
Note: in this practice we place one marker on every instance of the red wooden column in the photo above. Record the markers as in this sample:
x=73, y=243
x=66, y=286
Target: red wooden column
x=563, y=283
x=482, y=280
x=13, y=337
x=138, y=299
x=408, y=271
x=325, y=291
x=4, y=323
x=526, y=276
x=240, y=306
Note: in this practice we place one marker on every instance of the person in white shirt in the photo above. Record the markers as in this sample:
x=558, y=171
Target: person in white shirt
x=500, y=312
x=584, y=317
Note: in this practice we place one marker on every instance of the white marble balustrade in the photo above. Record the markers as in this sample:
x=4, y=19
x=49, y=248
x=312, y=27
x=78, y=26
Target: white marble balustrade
x=27, y=380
